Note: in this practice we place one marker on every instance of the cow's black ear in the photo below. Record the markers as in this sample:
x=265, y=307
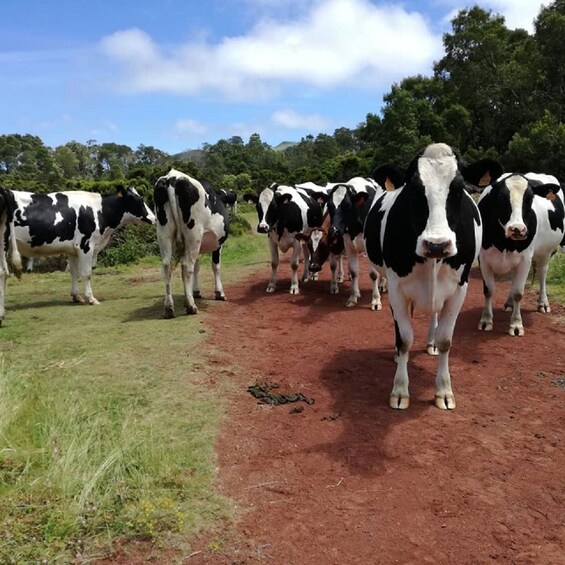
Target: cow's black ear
x=120, y=190
x=250, y=198
x=282, y=199
x=482, y=173
x=548, y=191
x=320, y=197
x=389, y=176
x=360, y=198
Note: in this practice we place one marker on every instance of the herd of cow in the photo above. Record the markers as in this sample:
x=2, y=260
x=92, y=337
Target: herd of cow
x=419, y=227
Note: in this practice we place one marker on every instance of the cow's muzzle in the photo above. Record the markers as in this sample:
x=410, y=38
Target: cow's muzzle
x=262, y=228
x=517, y=232
x=437, y=249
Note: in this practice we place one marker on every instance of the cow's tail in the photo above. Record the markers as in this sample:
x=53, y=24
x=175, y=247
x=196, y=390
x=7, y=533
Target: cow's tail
x=176, y=215
x=14, y=257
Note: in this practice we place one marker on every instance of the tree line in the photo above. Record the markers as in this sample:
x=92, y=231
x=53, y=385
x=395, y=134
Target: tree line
x=496, y=93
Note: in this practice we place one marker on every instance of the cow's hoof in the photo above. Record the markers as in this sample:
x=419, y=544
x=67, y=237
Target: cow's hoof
x=508, y=306
x=271, y=288
x=517, y=331
x=314, y=277
x=169, y=313
x=93, y=301
x=294, y=290
x=376, y=306
x=485, y=326
x=191, y=310
x=218, y=295
x=399, y=402
x=334, y=290
x=351, y=303
x=196, y=294
x=340, y=279
x=432, y=350
x=544, y=308
x=445, y=402
x=77, y=299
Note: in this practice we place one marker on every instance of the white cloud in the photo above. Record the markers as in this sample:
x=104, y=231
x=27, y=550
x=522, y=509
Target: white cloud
x=293, y=120
x=337, y=42
x=189, y=126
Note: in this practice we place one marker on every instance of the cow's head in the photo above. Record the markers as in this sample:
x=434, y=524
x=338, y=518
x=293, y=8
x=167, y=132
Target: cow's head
x=343, y=206
x=436, y=186
x=134, y=208
x=267, y=208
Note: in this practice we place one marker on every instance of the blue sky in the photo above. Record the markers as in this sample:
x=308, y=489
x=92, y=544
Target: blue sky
x=179, y=73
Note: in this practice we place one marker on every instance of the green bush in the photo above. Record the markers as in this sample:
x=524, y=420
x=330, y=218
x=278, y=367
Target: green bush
x=129, y=245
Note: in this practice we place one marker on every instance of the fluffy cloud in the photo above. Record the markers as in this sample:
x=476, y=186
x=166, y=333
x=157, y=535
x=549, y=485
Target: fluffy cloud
x=189, y=126
x=336, y=42
x=293, y=120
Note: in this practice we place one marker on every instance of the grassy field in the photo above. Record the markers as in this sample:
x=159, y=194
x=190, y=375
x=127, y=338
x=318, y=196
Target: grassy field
x=108, y=417
x=108, y=414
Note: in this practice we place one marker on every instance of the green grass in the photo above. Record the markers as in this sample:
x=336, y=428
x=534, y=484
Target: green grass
x=556, y=278
x=108, y=414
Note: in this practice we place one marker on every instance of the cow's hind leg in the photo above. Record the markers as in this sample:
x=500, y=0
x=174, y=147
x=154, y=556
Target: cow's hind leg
x=189, y=258
x=196, y=280
x=75, y=275
x=399, y=397
x=444, y=397
x=431, y=348
x=85, y=271
x=376, y=303
x=334, y=288
x=353, y=261
x=216, y=268
x=306, y=271
x=294, y=261
x=542, y=266
x=274, y=250
x=3, y=279
x=166, y=252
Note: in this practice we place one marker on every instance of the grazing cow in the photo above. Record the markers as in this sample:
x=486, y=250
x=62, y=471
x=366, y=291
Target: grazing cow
x=191, y=219
x=75, y=223
x=9, y=254
x=523, y=219
x=285, y=212
x=426, y=235
x=348, y=205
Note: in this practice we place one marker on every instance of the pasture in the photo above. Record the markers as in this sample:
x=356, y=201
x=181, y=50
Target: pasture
x=118, y=426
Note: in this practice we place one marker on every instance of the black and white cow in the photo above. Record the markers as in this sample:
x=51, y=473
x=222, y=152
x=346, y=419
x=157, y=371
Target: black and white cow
x=9, y=254
x=348, y=205
x=228, y=197
x=285, y=212
x=191, y=219
x=427, y=234
x=523, y=219
x=76, y=223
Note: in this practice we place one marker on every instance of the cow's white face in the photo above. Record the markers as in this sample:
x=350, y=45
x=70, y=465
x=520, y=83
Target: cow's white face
x=516, y=228
x=265, y=199
x=437, y=168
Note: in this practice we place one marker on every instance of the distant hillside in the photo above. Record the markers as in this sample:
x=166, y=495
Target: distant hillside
x=195, y=156
x=284, y=145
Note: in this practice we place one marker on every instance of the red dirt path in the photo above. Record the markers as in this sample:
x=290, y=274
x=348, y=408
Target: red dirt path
x=482, y=484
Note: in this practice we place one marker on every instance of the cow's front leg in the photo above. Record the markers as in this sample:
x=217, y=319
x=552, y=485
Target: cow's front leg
x=274, y=250
x=73, y=263
x=3, y=279
x=399, y=397
x=334, y=288
x=516, y=292
x=489, y=287
x=340, y=270
x=353, y=261
x=376, y=303
x=216, y=268
x=85, y=269
x=444, y=397
x=294, y=261
x=306, y=271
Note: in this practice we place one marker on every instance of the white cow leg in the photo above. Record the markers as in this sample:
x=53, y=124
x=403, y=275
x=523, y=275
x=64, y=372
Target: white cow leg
x=294, y=261
x=444, y=398
x=187, y=268
x=3, y=279
x=216, y=268
x=431, y=347
x=334, y=288
x=85, y=270
x=74, y=269
x=353, y=260
x=399, y=397
x=517, y=291
x=196, y=280
x=543, y=302
x=306, y=271
x=166, y=252
x=489, y=287
x=274, y=249
x=376, y=303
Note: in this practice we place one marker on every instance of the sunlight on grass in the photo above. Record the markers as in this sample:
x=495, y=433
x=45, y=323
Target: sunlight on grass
x=108, y=414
